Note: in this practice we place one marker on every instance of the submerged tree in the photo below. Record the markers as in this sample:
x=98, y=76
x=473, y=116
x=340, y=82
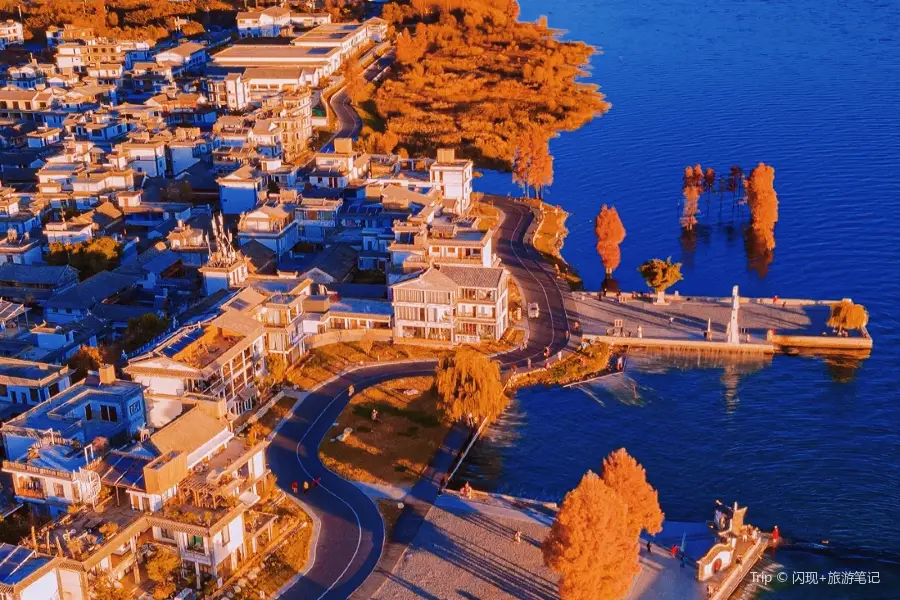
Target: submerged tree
x=847, y=315
x=590, y=544
x=628, y=479
x=763, y=202
x=468, y=383
x=610, y=233
x=660, y=275
x=735, y=179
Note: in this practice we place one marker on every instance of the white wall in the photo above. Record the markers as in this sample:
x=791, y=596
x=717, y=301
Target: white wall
x=220, y=550
x=45, y=588
x=71, y=585
x=162, y=411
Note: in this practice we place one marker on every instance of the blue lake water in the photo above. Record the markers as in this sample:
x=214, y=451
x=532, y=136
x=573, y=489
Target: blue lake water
x=813, y=446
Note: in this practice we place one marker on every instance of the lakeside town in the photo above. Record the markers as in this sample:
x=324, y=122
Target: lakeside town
x=245, y=343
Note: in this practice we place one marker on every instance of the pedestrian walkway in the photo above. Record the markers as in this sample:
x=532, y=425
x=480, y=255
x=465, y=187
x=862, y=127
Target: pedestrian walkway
x=418, y=503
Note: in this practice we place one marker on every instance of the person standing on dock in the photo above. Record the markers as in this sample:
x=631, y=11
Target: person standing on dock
x=776, y=536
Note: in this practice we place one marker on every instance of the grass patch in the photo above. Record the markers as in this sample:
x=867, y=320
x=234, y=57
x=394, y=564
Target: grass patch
x=322, y=363
x=583, y=364
x=291, y=557
x=369, y=115
x=488, y=214
x=395, y=449
x=549, y=238
x=275, y=414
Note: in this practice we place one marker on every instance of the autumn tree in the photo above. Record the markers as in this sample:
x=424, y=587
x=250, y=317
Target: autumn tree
x=610, y=233
x=532, y=164
x=468, y=383
x=763, y=202
x=691, y=190
x=590, y=545
x=847, y=315
x=660, y=275
x=103, y=588
x=277, y=368
x=161, y=569
x=628, y=479
x=735, y=179
x=354, y=85
x=87, y=358
x=410, y=48
x=142, y=330
x=709, y=180
x=88, y=257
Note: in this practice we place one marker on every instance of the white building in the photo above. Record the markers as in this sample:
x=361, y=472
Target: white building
x=11, y=32
x=451, y=305
x=454, y=177
x=270, y=22
x=270, y=224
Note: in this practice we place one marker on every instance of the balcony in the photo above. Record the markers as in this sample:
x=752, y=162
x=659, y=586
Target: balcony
x=33, y=493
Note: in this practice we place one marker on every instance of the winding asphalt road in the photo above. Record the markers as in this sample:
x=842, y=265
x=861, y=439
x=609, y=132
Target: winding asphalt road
x=351, y=533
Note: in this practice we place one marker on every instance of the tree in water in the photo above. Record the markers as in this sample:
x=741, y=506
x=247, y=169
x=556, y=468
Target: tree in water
x=591, y=545
x=660, y=275
x=691, y=191
x=709, y=180
x=763, y=202
x=610, y=233
x=735, y=179
x=468, y=383
x=847, y=315
x=628, y=479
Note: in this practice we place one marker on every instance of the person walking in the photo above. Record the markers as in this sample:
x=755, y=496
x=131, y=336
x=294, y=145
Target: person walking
x=317, y=481
x=517, y=538
x=350, y=391
x=295, y=487
x=649, y=548
x=305, y=487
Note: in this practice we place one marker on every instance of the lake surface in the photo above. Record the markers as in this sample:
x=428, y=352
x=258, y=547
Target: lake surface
x=811, y=445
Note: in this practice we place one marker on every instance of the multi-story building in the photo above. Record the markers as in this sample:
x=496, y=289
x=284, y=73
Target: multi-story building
x=221, y=358
x=240, y=190
x=327, y=60
x=50, y=446
x=346, y=38
x=454, y=178
x=271, y=224
x=25, y=383
x=452, y=305
x=270, y=22
x=67, y=33
x=337, y=169
x=317, y=218
x=188, y=57
x=11, y=32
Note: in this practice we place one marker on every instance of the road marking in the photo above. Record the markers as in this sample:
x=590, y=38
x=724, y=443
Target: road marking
x=546, y=296
x=365, y=383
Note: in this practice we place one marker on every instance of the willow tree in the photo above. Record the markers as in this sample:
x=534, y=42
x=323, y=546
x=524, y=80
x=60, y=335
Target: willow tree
x=660, y=275
x=610, y=233
x=763, y=202
x=847, y=315
x=622, y=473
x=468, y=383
x=590, y=545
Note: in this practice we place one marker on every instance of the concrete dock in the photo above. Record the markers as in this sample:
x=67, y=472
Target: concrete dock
x=767, y=325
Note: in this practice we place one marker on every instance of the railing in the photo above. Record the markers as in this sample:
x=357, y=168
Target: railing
x=348, y=335
x=37, y=494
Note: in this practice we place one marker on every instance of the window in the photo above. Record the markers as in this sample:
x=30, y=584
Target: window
x=34, y=395
x=134, y=408
x=88, y=412
x=166, y=534
x=108, y=413
x=3, y=390
x=54, y=389
x=226, y=536
x=58, y=490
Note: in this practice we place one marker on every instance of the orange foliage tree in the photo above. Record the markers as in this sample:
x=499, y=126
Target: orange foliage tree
x=468, y=75
x=610, y=233
x=590, y=544
x=532, y=164
x=763, y=201
x=622, y=473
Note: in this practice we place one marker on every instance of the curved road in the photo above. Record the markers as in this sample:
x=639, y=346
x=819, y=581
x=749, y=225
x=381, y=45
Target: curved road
x=349, y=122
x=352, y=533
